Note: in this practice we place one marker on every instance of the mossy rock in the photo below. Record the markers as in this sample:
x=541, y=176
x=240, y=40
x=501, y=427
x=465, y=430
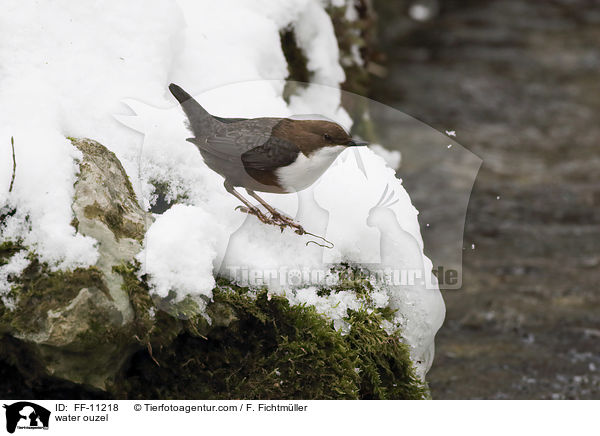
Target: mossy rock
x=78, y=322
x=256, y=346
x=260, y=347
x=105, y=191
x=66, y=319
x=105, y=208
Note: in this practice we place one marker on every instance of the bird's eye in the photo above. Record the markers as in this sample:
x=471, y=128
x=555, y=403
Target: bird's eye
x=327, y=137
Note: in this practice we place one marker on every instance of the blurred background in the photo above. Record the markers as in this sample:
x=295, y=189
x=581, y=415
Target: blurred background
x=519, y=83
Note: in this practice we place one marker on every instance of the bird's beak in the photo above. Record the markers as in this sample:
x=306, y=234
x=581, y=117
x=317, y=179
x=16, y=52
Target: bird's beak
x=356, y=143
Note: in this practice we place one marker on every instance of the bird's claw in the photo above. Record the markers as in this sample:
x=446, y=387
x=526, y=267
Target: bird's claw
x=286, y=221
x=283, y=222
x=254, y=211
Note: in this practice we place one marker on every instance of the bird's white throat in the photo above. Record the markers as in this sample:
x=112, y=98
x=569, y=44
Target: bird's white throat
x=306, y=170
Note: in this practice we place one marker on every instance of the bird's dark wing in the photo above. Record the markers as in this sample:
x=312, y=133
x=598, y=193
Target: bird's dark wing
x=229, y=120
x=229, y=145
x=221, y=147
x=273, y=154
x=229, y=141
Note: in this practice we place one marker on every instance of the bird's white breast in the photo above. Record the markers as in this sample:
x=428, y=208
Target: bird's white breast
x=306, y=170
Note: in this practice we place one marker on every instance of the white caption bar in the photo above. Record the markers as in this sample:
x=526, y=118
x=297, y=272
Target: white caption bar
x=297, y=417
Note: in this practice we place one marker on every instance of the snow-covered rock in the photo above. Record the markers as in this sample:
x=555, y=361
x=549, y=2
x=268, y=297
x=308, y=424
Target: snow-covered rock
x=72, y=319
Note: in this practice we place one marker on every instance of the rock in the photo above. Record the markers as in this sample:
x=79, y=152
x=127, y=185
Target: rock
x=106, y=209
x=79, y=324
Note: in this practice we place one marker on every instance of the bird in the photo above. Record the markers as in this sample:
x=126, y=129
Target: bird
x=267, y=154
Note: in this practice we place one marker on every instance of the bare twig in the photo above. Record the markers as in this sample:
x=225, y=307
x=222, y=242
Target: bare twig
x=148, y=347
x=150, y=353
x=327, y=244
x=12, y=181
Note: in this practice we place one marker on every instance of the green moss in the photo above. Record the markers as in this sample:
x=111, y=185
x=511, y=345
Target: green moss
x=75, y=224
x=260, y=347
x=113, y=218
x=384, y=361
x=7, y=250
x=152, y=326
x=139, y=296
x=39, y=290
x=387, y=373
x=271, y=351
x=256, y=347
x=351, y=278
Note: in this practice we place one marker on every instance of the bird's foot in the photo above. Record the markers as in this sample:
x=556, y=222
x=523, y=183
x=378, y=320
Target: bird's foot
x=256, y=212
x=298, y=229
x=283, y=222
x=287, y=221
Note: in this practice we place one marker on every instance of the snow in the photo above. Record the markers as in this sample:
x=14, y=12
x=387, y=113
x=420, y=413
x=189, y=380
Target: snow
x=189, y=235
x=64, y=68
x=102, y=70
x=392, y=158
x=423, y=11
x=18, y=262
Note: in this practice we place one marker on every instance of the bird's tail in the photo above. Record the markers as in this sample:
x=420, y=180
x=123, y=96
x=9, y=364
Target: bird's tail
x=198, y=117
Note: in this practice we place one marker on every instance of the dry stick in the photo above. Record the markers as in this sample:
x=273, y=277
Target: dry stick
x=12, y=181
x=328, y=244
x=148, y=347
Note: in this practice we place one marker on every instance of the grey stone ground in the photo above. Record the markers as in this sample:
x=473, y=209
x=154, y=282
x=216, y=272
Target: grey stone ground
x=520, y=83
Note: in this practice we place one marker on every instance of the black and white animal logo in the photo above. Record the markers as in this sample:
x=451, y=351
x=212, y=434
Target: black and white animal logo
x=26, y=415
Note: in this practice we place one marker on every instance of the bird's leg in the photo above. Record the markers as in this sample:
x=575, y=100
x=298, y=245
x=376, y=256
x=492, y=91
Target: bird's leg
x=289, y=222
x=250, y=208
x=277, y=219
x=275, y=214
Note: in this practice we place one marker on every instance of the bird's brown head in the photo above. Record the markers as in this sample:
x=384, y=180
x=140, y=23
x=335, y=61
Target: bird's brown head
x=312, y=135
